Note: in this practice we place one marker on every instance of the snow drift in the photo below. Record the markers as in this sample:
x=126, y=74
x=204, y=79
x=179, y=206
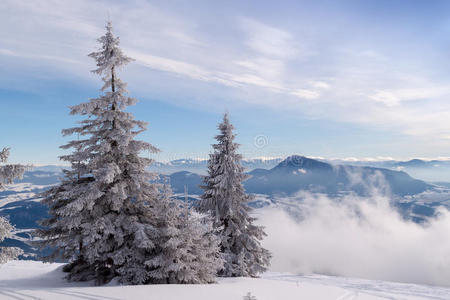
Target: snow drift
x=36, y=280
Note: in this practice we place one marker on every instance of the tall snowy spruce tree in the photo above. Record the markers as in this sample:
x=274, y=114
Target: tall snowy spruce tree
x=104, y=214
x=225, y=199
x=97, y=214
x=8, y=172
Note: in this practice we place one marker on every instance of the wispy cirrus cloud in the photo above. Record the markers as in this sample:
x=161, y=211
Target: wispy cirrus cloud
x=269, y=41
x=305, y=66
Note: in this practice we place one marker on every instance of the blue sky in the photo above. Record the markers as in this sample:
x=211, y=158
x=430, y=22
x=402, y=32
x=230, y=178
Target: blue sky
x=333, y=79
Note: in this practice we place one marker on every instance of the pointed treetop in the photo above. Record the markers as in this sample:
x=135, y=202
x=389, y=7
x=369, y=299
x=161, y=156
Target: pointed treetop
x=108, y=27
x=4, y=154
x=226, y=126
x=226, y=136
x=109, y=56
x=226, y=120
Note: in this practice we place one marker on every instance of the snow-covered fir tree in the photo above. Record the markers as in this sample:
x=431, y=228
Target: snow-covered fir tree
x=8, y=172
x=188, y=248
x=98, y=211
x=249, y=296
x=7, y=253
x=225, y=199
x=108, y=217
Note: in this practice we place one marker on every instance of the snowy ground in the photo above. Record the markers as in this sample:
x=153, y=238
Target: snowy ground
x=22, y=280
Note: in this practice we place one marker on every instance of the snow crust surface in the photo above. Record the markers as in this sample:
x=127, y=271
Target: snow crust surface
x=36, y=280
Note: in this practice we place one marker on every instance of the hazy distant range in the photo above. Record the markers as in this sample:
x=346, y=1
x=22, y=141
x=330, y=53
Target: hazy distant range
x=427, y=170
x=437, y=171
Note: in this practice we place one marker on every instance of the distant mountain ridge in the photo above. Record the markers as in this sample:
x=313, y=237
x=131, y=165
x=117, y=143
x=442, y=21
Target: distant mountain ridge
x=297, y=173
x=426, y=170
x=284, y=177
x=301, y=173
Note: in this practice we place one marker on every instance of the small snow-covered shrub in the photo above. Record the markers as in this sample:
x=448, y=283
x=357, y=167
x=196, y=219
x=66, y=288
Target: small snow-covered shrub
x=249, y=297
x=7, y=253
x=8, y=173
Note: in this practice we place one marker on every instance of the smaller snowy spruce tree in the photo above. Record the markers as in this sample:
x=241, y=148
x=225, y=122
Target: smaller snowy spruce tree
x=8, y=172
x=225, y=199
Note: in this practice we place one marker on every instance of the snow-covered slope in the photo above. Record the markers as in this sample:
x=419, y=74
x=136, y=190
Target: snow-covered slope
x=35, y=280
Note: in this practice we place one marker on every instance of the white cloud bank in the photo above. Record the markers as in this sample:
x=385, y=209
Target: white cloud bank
x=359, y=237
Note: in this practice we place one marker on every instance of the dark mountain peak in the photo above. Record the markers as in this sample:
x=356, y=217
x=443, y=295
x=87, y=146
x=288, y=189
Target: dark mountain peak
x=302, y=162
x=412, y=163
x=415, y=160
